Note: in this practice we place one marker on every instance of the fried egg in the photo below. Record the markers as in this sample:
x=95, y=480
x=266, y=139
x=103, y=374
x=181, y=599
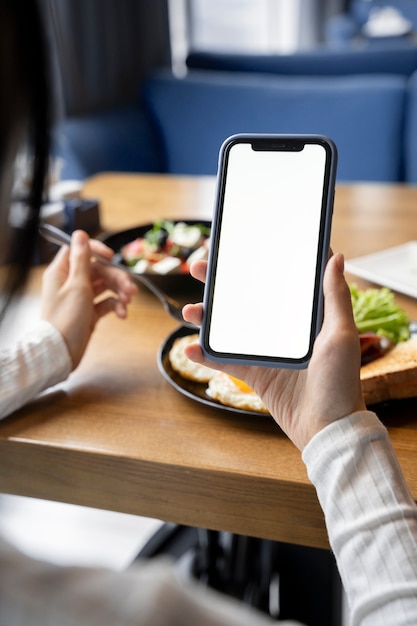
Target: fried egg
x=235, y=393
x=184, y=366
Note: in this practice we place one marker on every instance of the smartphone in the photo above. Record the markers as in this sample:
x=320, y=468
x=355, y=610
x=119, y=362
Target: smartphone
x=263, y=298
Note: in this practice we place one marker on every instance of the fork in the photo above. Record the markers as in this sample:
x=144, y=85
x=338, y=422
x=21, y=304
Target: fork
x=173, y=308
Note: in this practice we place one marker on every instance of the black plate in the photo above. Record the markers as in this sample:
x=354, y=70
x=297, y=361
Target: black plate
x=172, y=284
x=195, y=391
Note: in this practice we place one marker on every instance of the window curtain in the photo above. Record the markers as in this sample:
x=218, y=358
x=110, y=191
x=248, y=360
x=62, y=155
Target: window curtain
x=102, y=49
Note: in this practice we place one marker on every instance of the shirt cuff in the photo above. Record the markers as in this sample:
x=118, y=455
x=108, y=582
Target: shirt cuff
x=36, y=362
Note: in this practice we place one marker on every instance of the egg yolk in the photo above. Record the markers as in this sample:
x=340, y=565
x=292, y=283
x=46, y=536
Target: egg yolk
x=243, y=387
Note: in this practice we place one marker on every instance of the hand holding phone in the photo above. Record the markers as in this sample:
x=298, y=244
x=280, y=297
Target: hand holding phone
x=270, y=240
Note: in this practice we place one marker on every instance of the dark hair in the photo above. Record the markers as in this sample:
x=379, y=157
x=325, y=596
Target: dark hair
x=25, y=115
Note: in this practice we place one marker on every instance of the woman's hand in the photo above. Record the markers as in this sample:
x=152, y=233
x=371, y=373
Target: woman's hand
x=305, y=401
x=74, y=292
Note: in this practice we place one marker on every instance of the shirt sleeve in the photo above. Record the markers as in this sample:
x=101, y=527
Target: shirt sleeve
x=371, y=518
x=151, y=593
x=37, y=361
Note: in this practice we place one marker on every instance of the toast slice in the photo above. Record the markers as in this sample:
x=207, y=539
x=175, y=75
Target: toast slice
x=393, y=376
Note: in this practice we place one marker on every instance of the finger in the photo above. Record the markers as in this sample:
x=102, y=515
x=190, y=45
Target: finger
x=100, y=248
x=339, y=336
x=60, y=256
x=198, y=270
x=112, y=278
x=79, y=255
x=194, y=352
x=337, y=298
x=193, y=313
x=111, y=305
x=57, y=270
x=105, y=277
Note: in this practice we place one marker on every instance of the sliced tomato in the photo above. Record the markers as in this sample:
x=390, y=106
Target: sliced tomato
x=373, y=347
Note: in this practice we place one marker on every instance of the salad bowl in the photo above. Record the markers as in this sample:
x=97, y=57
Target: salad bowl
x=177, y=280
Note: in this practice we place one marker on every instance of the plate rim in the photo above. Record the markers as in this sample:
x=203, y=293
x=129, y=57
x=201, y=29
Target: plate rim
x=183, y=386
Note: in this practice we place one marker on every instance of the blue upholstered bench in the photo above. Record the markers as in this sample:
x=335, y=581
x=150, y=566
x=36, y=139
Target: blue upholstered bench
x=178, y=124
x=363, y=114
x=121, y=139
x=318, y=62
x=410, y=133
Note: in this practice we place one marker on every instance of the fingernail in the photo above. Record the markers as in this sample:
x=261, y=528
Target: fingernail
x=340, y=262
x=79, y=238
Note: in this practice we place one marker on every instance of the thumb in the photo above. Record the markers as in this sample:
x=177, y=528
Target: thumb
x=337, y=298
x=80, y=255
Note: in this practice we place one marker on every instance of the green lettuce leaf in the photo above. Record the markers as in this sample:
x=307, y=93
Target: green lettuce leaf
x=375, y=310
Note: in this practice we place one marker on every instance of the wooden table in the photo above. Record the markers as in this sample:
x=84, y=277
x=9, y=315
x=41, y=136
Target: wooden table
x=117, y=436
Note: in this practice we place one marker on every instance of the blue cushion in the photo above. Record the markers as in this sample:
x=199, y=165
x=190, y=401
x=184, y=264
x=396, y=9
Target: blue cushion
x=362, y=114
x=321, y=62
x=410, y=148
x=121, y=139
x=340, y=29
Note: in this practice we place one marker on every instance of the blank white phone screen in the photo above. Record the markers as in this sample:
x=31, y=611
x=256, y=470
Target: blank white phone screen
x=264, y=284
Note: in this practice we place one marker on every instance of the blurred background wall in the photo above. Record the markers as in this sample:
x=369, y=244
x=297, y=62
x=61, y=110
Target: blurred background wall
x=103, y=48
